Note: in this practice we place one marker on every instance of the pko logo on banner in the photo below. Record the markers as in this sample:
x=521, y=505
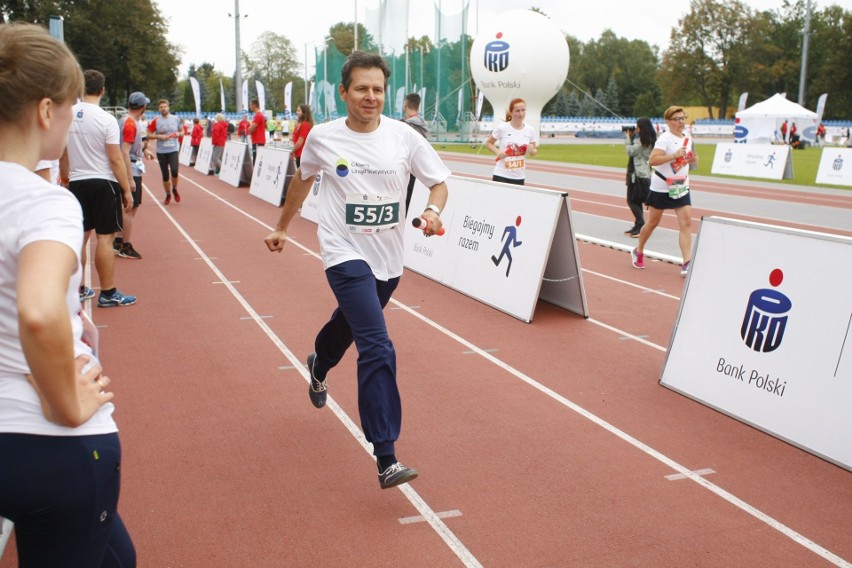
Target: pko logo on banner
x=766, y=316
x=497, y=55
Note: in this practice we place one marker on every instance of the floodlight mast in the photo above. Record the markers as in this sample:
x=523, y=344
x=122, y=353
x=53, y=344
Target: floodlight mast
x=806, y=40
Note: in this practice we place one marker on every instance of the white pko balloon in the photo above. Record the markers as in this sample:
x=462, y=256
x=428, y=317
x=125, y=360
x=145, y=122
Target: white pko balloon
x=519, y=54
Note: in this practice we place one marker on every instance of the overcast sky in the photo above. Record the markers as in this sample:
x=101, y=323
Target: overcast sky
x=205, y=32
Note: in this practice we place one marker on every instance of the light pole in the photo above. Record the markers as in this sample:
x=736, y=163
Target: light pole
x=238, y=67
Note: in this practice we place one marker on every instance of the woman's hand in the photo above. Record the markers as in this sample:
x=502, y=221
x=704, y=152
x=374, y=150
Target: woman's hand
x=91, y=396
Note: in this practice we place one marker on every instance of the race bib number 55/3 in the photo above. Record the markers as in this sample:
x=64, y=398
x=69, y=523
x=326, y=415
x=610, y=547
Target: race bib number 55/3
x=371, y=217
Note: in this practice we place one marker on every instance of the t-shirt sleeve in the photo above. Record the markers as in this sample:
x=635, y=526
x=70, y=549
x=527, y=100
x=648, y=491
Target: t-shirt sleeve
x=426, y=165
x=129, y=133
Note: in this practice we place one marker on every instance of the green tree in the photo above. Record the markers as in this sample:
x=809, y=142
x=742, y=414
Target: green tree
x=124, y=39
x=708, y=54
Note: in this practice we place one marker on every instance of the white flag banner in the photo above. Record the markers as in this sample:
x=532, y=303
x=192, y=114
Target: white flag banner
x=423, y=101
x=311, y=97
x=821, y=106
x=742, y=103
x=222, y=93
x=288, y=97
x=245, y=96
x=196, y=93
x=479, y=99
x=261, y=95
x=328, y=99
x=400, y=94
x=460, y=104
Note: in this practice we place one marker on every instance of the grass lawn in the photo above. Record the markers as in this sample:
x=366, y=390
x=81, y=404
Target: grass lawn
x=805, y=162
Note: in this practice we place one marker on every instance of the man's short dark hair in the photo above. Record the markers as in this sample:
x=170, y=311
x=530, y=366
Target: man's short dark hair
x=412, y=100
x=365, y=61
x=94, y=81
x=255, y=103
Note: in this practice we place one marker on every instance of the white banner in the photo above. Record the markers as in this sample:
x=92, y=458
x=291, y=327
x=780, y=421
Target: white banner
x=288, y=98
x=742, y=104
x=501, y=243
x=233, y=160
x=400, y=96
x=185, y=156
x=270, y=174
x=329, y=100
x=222, y=94
x=460, y=104
x=769, y=161
x=479, y=98
x=310, y=207
x=205, y=153
x=835, y=166
x=196, y=94
x=820, y=109
x=261, y=95
x=769, y=343
x=245, y=96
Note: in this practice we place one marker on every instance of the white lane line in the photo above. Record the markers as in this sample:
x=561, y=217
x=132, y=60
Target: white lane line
x=676, y=476
x=722, y=493
x=449, y=538
x=419, y=519
x=626, y=283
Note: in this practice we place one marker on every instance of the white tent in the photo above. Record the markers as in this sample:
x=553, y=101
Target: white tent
x=761, y=123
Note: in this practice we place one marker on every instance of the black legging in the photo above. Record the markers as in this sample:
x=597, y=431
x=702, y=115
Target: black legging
x=168, y=161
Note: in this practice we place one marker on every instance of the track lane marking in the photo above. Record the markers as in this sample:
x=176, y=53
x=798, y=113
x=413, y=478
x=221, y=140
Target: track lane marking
x=635, y=442
x=443, y=531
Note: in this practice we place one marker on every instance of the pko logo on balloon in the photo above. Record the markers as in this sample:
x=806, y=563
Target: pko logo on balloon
x=497, y=55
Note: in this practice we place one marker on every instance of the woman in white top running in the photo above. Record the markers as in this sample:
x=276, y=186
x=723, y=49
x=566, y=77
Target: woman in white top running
x=672, y=157
x=512, y=142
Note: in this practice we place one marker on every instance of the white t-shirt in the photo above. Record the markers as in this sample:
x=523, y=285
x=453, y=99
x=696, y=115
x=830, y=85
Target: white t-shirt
x=669, y=143
x=512, y=142
x=33, y=210
x=91, y=130
x=53, y=165
x=362, y=197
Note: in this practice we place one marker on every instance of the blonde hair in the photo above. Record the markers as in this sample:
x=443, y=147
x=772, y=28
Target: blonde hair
x=671, y=110
x=220, y=117
x=34, y=66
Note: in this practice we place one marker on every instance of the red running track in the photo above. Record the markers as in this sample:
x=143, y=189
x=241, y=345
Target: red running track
x=543, y=444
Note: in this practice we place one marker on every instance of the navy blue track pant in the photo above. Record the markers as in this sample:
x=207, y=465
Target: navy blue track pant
x=360, y=300
x=62, y=494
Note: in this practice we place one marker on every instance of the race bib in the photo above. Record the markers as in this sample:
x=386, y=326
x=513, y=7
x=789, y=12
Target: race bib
x=514, y=162
x=678, y=186
x=367, y=217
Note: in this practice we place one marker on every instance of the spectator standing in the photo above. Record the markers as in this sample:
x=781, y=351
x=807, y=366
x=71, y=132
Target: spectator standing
x=59, y=445
x=361, y=243
x=195, y=139
x=134, y=150
x=243, y=129
x=166, y=129
x=304, y=123
x=219, y=137
x=639, y=143
x=411, y=116
x=512, y=141
x=97, y=176
x=672, y=157
x=784, y=131
x=257, y=129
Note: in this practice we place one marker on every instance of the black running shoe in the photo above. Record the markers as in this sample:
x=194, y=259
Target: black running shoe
x=397, y=474
x=318, y=391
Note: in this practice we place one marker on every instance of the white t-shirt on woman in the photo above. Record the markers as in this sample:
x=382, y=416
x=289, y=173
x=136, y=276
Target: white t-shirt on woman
x=669, y=143
x=32, y=210
x=514, y=143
